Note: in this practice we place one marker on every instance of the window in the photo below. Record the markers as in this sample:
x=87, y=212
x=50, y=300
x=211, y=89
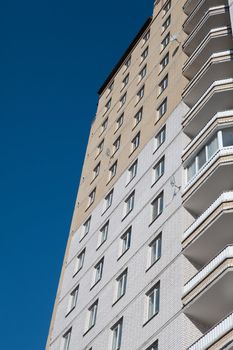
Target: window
x=166, y=23
x=112, y=171
x=117, y=335
x=158, y=170
x=154, y=346
x=132, y=171
x=66, y=340
x=167, y=7
x=160, y=137
x=140, y=94
x=104, y=126
x=135, y=142
x=103, y=234
x=227, y=139
x=110, y=88
x=155, y=250
x=108, y=105
x=138, y=117
x=96, y=171
x=116, y=145
x=157, y=206
x=163, y=84
x=121, y=285
x=123, y=100
x=142, y=73
x=100, y=148
x=129, y=204
x=98, y=270
x=146, y=37
x=119, y=121
x=162, y=109
x=153, y=301
x=164, y=62
x=206, y=153
x=145, y=54
x=125, y=241
x=91, y=197
x=125, y=81
x=108, y=200
x=72, y=300
x=127, y=63
x=79, y=262
x=86, y=227
x=92, y=313
x=165, y=41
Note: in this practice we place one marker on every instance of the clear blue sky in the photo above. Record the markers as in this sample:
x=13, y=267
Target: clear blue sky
x=54, y=57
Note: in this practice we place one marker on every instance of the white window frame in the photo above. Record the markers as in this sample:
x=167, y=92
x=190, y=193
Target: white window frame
x=103, y=234
x=153, y=301
x=160, y=138
x=86, y=227
x=65, y=341
x=116, y=145
x=92, y=315
x=108, y=200
x=121, y=282
x=91, y=197
x=140, y=93
x=129, y=204
x=79, y=261
x=163, y=84
x=119, y=121
x=112, y=171
x=117, y=335
x=125, y=82
x=166, y=23
x=158, y=170
x=146, y=37
x=72, y=302
x=157, y=206
x=125, y=241
x=132, y=171
x=162, y=109
x=135, y=142
x=155, y=250
x=127, y=63
x=144, y=54
x=96, y=171
x=164, y=62
x=104, y=126
x=100, y=148
x=98, y=272
x=165, y=42
x=142, y=73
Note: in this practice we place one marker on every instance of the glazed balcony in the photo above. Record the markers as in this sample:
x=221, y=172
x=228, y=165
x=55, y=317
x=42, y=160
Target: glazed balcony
x=211, y=286
x=217, y=338
x=218, y=97
x=219, y=66
x=199, y=11
x=216, y=40
x=211, y=232
x=214, y=17
x=213, y=178
x=220, y=121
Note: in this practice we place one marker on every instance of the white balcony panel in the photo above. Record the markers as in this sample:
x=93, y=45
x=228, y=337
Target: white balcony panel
x=213, y=335
x=211, y=232
x=218, y=67
x=199, y=11
x=227, y=253
x=217, y=40
x=214, y=17
x=217, y=98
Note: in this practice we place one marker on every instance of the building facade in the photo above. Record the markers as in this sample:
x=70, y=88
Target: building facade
x=149, y=259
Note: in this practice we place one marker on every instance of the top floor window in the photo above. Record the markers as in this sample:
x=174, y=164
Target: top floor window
x=146, y=37
x=127, y=63
x=167, y=7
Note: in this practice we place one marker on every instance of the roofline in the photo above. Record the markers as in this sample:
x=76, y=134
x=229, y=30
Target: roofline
x=124, y=56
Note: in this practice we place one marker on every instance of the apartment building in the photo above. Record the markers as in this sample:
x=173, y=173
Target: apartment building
x=149, y=259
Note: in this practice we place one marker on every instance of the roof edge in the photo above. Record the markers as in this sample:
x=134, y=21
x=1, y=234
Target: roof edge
x=125, y=54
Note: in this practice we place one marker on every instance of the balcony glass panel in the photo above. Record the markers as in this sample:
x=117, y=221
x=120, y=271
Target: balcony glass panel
x=227, y=136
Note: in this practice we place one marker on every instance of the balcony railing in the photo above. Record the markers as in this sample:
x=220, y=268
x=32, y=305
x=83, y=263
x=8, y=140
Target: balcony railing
x=215, y=17
x=227, y=253
x=225, y=197
x=213, y=335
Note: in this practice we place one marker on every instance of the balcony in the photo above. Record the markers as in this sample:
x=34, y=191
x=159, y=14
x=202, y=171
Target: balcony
x=217, y=40
x=211, y=232
x=214, y=17
x=202, y=190
x=217, y=338
x=211, y=286
x=218, y=67
x=199, y=11
x=219, y=121
x=217, y=98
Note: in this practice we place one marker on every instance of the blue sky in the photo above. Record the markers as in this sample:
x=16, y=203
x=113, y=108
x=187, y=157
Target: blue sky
x=54, y=57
